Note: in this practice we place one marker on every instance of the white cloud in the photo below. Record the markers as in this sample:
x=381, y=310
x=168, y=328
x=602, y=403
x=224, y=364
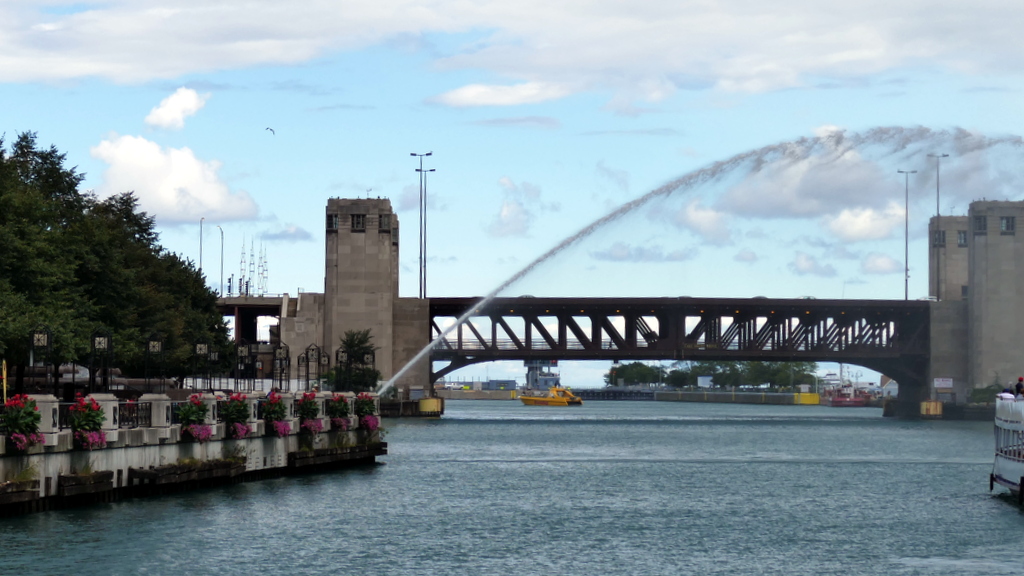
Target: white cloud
x=512, y=220
x=856, y=224
x=640, y=52
x=485, y=95
x=805, y=264
x=875, y=263
x=290, y=233
x=173, y=110
x=623, y=252
x=170, y=183
x=745, y=255
x=708, y=223
x=516, y=214
x=816, y=181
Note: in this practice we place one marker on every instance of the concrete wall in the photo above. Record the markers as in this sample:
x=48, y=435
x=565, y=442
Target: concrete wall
x=949, y=346
x=361, y=274
x=302, y=325
x=952, y=256
x=996, y=294
x=412, y=334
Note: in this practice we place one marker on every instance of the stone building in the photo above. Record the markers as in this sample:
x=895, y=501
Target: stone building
x=977, y=264
x=360, y=292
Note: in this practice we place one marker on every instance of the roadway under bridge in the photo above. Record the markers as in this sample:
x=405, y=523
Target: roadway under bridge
x=889, y=336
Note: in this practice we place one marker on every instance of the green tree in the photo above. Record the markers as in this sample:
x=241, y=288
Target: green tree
x=737, y=373
x=76, y=265
x=357, y=372
x=633, y=374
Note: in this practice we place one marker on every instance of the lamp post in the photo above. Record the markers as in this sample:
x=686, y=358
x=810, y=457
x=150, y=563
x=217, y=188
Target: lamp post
x=906, y=231
x=101, y=347
x=154, y=347
x=938, y=229
x=201, y=244
x=221, y=260
x=423, y=225
x=423, y=243
x=201, y=365
x=41, y=342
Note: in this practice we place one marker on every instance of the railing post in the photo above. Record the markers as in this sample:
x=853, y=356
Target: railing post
x=160, y=419
x=108, y=403
x=49, y=417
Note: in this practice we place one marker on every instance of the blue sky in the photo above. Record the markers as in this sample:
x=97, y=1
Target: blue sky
x=541, y=117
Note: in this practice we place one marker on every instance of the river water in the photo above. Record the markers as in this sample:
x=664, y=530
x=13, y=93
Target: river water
x=606, y=488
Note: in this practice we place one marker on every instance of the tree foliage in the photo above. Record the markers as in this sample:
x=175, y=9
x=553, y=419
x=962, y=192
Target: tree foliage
x=724, y=374
x=76, y=265
x=356, y=373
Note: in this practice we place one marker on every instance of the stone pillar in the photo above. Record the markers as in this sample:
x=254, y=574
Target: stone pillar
x=353, y=422
x=160, y=417
x=109, y=404
x=290, y=415
x=211, y=412
x=49, y=417
x=253, y=402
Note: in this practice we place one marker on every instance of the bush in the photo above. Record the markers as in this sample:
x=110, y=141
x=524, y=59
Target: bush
x=364, y=405
x=193, y=412
x=273, y=409
x=337, y=407
x=236, y=413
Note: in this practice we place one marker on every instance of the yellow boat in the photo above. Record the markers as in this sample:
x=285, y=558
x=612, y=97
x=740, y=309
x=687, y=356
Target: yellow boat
x=555, y=396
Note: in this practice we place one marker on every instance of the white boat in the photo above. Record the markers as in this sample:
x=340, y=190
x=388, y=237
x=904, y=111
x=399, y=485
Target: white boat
x=1008, y=469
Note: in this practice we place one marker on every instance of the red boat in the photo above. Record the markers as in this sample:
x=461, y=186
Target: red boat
x=848, y=401
x=847, y=397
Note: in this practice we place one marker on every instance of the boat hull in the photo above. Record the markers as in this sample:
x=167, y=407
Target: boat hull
x=535, y=401
x=554, y=397
x=847, y=402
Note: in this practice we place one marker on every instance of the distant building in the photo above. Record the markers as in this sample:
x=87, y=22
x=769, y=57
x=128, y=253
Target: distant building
x=976, y=274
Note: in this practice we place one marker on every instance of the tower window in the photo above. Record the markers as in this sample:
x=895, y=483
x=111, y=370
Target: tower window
x=332, y=221
x=359, y=222
x=961, y=238
x=1007, y=224
x=939, y=238
x=385, y=223
x=980, y=225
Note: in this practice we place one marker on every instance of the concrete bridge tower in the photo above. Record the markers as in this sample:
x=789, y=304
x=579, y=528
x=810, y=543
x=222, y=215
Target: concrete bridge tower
x=361, y=274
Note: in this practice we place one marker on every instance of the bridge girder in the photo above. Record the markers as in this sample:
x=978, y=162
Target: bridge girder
x=888, y=336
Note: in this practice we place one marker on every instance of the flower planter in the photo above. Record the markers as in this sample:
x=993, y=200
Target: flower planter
x=11, y=449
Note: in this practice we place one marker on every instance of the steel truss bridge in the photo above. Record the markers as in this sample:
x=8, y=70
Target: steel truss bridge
x=889, y=336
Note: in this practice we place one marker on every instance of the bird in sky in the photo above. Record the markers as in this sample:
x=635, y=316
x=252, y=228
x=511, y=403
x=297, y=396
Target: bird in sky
x=271, y=130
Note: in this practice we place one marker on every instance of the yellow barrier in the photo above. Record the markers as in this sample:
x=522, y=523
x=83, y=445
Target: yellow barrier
x=429, y=405
x=806, y=398
x=931, y=408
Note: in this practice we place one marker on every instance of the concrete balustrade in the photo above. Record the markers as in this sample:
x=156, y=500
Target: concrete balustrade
x=158, y=445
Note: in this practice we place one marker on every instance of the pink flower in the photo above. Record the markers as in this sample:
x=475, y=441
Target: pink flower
x=282, y=429
x=239, y=430
x=314, y=426
x=339, y=423
x=370, y=423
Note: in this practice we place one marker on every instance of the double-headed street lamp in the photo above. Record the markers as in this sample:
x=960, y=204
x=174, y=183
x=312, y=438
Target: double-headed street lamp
x=906, y=231
x=938, y=228
x=423, y=222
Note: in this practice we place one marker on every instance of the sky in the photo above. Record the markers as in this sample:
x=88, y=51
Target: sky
x=774, y=132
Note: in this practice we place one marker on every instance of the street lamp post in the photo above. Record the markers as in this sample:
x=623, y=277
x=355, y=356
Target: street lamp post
x=906, y=231
x=938, y=228
x=423, y=243
x=154, y=350
x=201, y=244
x=42, y=342
x=423, y=224
x=221, y=290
